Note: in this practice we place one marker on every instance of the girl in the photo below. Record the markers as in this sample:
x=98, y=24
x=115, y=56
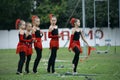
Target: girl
x=75, y=43
x=29, y=46
x=21, y=47
x=54, y=42
x=37, y=34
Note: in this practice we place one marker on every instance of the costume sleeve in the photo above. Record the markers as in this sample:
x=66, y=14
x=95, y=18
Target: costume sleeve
x=23, y=40
x=71, y=41
x=52, y=36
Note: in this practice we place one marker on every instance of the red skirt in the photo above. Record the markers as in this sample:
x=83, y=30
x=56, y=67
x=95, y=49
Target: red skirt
x=76, y=44
x=54, y=43
x=29, y=50
x=21, y=47
x=38, y=43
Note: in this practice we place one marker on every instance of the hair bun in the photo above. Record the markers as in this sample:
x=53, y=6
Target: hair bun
x=17, y=22
x=72, y=21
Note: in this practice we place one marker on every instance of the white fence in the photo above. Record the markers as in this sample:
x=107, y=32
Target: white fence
x=9, y=39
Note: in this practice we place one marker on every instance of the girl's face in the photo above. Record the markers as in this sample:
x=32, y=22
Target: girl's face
x=37, y=21
x=22, y=24
x=53, y=20
x=29, y=27
x=77, y=23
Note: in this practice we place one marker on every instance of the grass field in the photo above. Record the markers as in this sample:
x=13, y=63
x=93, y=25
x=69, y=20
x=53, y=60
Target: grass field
x=104, y=66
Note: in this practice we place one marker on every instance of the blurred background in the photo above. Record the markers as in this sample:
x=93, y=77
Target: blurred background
x=99, y=20
x=10, y=10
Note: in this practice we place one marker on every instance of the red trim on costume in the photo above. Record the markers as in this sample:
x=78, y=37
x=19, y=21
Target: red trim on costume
x=24, y=45
x=23, y=40
x=54, y=42
x=74, y=44
x=51, y=36
x=29, y=49
x=38, y=43
x=71, y=41
x=21, y=47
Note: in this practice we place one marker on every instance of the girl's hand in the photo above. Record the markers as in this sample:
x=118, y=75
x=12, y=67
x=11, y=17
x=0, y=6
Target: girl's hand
x=70, y=49
x=88, y=45
x=34, y=40
x=60, y=35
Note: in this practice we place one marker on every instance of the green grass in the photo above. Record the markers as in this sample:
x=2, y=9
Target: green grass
x=106, y=66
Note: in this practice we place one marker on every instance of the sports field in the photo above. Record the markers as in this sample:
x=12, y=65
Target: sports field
x=104, y=66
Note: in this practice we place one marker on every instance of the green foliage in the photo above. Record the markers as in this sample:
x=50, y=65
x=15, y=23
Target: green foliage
x=13, y=9
x=10, y=10
x=101, y=13
x=73, y=9
x=47, y=7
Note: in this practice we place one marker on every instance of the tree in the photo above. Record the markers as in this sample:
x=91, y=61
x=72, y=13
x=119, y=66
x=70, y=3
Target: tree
x=46, y=7
x=73, y=9
x=13, y=9
x=101, y=13
x=63, y=9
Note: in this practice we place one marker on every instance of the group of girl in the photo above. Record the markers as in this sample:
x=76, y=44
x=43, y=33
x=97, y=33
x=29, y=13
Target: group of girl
x=31, y=34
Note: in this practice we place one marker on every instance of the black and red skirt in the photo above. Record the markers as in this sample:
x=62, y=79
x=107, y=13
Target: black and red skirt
x=38, y=43
x=21, y=47
x=54, y=43
x=76, y=44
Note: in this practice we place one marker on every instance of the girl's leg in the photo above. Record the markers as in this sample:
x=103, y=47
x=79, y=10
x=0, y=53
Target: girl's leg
x=54, y=54
x=51, y=62
x=27, y=63
x=21, y=62
x=76, y=58
x=37, y=60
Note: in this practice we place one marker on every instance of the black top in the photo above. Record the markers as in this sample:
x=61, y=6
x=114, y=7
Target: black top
x=29, y=37
x=55, y=31
x=38, y=34
x=76, y=36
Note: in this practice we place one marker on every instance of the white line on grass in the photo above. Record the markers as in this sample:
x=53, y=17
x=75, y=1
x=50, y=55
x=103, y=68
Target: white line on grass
x=115, y=73
x=94, y=66
x=46, y=60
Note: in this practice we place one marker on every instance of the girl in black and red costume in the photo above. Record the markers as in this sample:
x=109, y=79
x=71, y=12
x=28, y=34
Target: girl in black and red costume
x=75, y=43
x=37, y=34
x=29, y=45
x=54, y=43
x=21, y=47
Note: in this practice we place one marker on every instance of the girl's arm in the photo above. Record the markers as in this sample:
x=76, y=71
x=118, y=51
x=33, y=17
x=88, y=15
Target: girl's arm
x=83, y=38
x=33, y=35
x=33, y=32
x=22, y=37
x=50, y=34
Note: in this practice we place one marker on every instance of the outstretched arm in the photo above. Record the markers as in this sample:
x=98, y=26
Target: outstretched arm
x=83, y=38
